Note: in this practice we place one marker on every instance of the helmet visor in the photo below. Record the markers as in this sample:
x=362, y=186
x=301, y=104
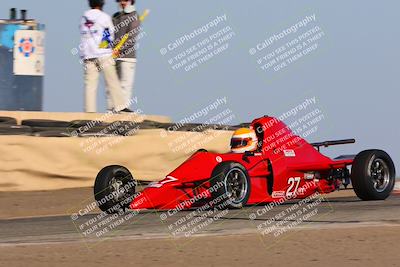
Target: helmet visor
x=240, y=142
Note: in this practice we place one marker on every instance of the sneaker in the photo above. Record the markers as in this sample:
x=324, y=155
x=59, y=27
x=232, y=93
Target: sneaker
x=126, y=110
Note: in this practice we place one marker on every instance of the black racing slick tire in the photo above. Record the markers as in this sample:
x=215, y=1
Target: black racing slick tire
x=45, y=123
x=8, y=121
x=230, y=186
x=15, y=130
x=114, y=189
x=373, y=175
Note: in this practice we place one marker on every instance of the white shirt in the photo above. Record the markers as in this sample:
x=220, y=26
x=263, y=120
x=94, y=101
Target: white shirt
x=93, y=25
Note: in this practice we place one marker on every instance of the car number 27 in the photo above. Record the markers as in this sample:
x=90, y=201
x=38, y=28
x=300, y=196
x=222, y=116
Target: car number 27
x=293, y=186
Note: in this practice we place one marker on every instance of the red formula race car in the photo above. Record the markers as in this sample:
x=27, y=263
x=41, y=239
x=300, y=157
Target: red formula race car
x=281, y=166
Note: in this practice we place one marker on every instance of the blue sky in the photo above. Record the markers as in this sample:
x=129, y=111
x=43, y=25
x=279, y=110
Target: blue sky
x=354, y=73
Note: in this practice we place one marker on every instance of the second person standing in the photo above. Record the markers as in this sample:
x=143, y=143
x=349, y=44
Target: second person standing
x=127, y=27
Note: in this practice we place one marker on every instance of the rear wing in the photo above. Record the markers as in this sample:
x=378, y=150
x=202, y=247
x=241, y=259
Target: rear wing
x=333, y=143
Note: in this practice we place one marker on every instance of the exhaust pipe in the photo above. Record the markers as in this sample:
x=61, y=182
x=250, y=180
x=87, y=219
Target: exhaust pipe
x=23, y=14
x=13, y=14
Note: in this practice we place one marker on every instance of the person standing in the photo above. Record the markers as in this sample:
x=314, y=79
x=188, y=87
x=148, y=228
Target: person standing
x=97, y=31
x=127, y=27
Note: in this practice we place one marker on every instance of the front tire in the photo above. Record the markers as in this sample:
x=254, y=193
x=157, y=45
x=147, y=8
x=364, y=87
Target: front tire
x=114, y=189
x=373, y=175
x=230, y=185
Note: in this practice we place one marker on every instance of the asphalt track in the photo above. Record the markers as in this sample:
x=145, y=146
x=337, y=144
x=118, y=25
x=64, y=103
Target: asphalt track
x=344, y=212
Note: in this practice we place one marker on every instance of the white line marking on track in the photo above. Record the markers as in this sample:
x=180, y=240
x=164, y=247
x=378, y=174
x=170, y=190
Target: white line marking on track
x=248, y=231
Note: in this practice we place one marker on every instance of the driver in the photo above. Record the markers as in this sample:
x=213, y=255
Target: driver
x=244, y=139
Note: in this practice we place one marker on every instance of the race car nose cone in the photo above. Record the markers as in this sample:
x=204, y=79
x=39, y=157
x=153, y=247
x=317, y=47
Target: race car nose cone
x=142, y=201
x=165, y=198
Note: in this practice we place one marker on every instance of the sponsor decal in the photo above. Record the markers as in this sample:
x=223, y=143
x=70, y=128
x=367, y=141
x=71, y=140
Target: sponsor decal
x=278, y=194
x=309, y=176
x=289, y=153
x=218, y=159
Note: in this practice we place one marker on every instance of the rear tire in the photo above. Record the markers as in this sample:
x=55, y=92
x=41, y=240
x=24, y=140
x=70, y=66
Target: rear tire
x=230, y=185
x=373, y=175
x=114, y=189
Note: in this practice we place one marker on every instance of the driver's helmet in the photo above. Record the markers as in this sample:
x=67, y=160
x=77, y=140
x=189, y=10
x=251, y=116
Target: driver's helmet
x=243, y=139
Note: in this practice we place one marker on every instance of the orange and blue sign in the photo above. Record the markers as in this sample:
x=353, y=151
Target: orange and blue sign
x=26, y=46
